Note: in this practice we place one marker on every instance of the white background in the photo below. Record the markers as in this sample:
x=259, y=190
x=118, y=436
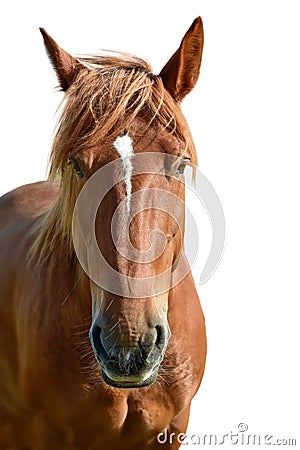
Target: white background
x=244, y=116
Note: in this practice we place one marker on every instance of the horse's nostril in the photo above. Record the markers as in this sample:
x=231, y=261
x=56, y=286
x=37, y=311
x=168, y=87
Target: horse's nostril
x=95, y=337
x=154, y=352
x=160, y=336
x=97, y=343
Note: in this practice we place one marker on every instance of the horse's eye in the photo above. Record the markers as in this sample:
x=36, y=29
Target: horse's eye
x=78, y=170
x=182, y=166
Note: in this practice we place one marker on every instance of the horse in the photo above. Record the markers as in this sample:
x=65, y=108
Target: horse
x=103, y=363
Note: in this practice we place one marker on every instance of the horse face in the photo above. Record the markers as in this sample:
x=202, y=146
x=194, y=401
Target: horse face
x=139, y=231
x=130, y=331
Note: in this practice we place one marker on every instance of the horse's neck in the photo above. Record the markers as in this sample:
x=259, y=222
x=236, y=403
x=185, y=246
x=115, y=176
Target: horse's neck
x=67, y=289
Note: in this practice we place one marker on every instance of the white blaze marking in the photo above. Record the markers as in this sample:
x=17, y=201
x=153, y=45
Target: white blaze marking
x=123, y=145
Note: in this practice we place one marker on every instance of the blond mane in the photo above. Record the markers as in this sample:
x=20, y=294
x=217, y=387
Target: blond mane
x=102, y=103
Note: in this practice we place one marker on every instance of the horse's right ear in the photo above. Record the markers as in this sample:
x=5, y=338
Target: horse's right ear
x=66, y=67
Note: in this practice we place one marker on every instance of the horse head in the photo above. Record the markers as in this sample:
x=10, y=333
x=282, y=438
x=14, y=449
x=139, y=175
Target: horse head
x=121, y=148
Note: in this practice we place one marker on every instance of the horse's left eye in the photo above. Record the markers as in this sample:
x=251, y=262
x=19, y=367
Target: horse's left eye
x=182, y=165
x=78, y=170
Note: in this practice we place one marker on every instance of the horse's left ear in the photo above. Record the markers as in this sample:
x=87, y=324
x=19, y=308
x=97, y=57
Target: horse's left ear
x=181, y=72
x=66, y=67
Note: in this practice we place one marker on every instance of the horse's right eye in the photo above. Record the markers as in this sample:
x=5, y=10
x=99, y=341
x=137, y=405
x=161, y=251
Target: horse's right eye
x=182, y=166
x=78, y=170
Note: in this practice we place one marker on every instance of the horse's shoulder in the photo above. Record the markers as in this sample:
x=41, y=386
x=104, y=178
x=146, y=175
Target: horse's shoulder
x=28, y=201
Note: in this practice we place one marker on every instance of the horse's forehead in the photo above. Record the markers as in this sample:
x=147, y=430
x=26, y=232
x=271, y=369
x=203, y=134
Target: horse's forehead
x=154, y=139
x=125, y=148
x=141, y=137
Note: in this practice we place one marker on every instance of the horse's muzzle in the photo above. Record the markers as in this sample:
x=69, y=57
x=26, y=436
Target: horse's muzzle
x=130, y=364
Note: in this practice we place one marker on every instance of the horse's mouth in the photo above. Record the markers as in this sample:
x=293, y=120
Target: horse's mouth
x=130, y=382
x=138, y=368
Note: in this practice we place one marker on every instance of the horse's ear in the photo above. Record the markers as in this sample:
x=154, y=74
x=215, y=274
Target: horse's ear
x=66, y=67
x=181, y=72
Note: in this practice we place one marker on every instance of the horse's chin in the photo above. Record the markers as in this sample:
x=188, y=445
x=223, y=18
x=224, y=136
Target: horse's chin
x=125, y=383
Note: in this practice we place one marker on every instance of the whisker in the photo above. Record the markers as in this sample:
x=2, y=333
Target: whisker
x=111, y=302
x=79, y=333
x=72, y=290
x=111, y=330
